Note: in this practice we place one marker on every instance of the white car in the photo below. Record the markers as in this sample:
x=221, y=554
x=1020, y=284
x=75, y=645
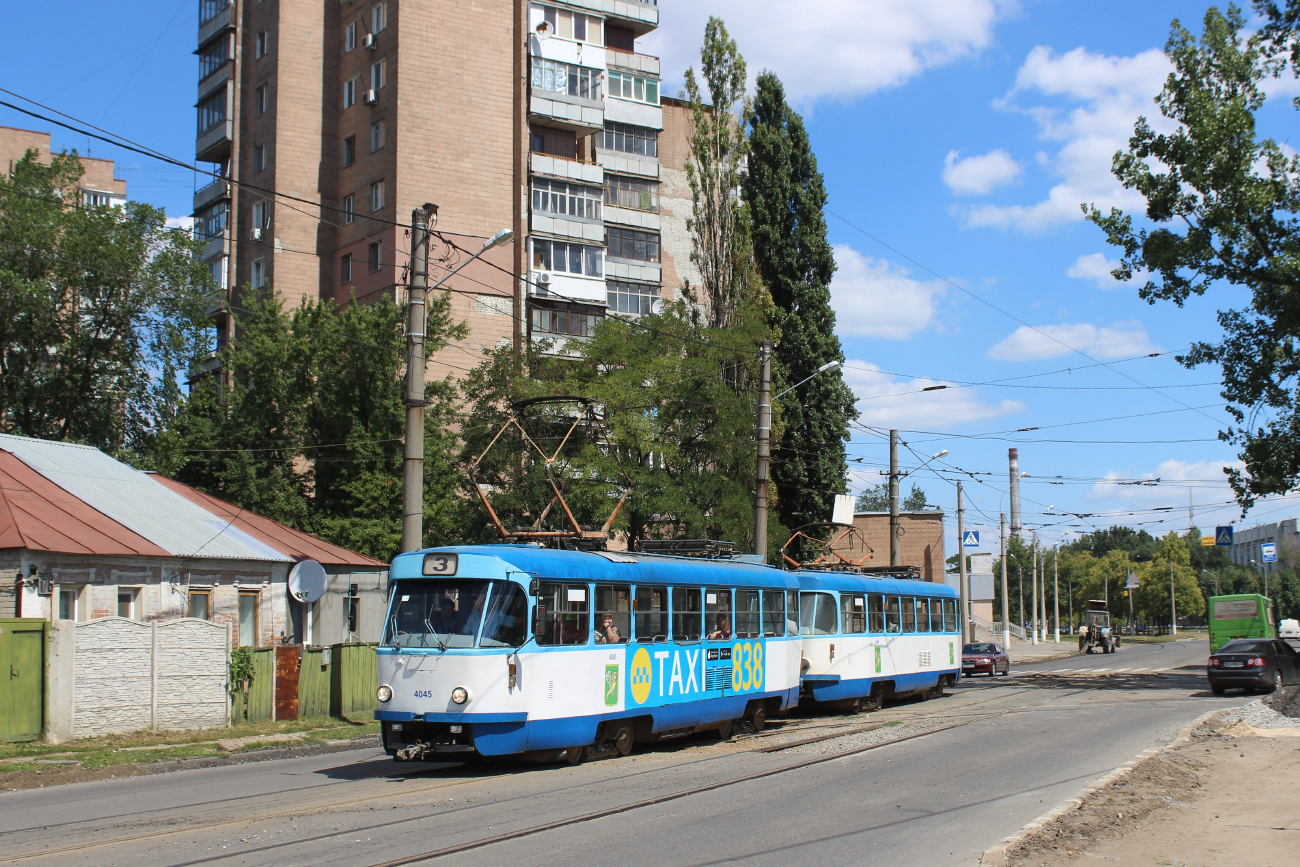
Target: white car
x=1288, y=629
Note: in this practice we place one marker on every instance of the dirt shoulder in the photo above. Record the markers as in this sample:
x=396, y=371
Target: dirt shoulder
x=1224, y=798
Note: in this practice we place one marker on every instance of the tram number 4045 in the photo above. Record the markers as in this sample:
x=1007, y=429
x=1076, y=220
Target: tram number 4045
x=746, y=665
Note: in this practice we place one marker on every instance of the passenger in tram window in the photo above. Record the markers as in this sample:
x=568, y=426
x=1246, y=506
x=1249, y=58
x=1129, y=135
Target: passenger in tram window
x=893, y=617
x=607, y=632
x=613, y=603
x=792, y=612
x=722, y=628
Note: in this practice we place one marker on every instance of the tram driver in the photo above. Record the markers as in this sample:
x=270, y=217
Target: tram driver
x=445, y=620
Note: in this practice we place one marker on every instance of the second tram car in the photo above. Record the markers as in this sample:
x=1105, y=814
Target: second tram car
x=508, y=649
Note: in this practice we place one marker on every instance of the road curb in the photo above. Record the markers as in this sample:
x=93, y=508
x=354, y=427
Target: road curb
x=996, y=855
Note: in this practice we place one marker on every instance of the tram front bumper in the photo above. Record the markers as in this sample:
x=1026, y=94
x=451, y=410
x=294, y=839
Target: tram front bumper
x=414, y=741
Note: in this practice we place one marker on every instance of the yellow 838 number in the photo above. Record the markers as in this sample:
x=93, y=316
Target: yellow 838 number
x=746, y=665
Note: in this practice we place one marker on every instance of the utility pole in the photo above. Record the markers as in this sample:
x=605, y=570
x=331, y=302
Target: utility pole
x=413, y=455
x=1006, y=605
x=1042, y=599
x=764, y=447
x=1173, y=603
x=1033, y=580
x=962, y=588
x=1056, y=590
x=894, y=536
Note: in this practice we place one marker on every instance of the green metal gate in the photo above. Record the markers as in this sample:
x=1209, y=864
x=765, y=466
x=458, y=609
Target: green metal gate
x=22, y=678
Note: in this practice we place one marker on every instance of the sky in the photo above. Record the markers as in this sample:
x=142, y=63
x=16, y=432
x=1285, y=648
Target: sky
x=958, y=139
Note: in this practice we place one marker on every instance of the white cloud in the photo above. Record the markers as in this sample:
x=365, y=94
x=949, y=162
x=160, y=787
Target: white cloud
x=1088, y=102
x=1119, y=340
x=838, y=49
x=979, y=175
x=874, y=298
x=186, y=223
x=1096, y=267
x=1206, y=479
x=903, y=403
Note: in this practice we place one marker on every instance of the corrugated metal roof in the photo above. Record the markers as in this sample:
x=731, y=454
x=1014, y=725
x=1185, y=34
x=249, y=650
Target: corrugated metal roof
x=133, y=499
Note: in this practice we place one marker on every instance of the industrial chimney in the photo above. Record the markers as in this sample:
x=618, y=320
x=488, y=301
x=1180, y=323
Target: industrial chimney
x=1014, y=458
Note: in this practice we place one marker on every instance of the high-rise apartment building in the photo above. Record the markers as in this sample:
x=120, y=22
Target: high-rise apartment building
x=328, y=123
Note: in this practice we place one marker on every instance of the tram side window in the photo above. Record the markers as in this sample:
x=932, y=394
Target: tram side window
x=875, y=613
x=747, y=614
x=817, y=613
x=936, y=615
x=567, y=615
x=853, y=613
x=615, y=603
x=717, y=613
x=922, y=614
x=893, y=622
x=792, y=612
x=686, y=614
x=774, y=616
x=950, y=615
x=506, y=623
x=909, y=614
x=651, y=614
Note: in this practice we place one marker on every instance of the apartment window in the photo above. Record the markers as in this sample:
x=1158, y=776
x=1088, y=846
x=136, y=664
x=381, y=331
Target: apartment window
x=573, y=25
x=634, y=87
x=259, y=101
x=258, y=273
x=349, y=37
x=376, y=196
x=212, y=222
x=350, y=91
x=127, y=601
x=214, y=56
x=201, y=602
x=217, y=271
x=376, y=135
x=94, y=200
x=555, y=142
x=375, y=256
x=345, y=268
x=212, y=111
x=565, y=321
x=554, y=77
x=634, y=298
x=261, y=215
x=259, y=157
x=263, y=43
x=378, y=17
x=565, y=199
x=349, y=212
x=209, y=9
x=638, y=140
x=632, y=244
x=567, y=257
x=349, y=151
x=248, y=605
x=377, y=70
x=636, y=193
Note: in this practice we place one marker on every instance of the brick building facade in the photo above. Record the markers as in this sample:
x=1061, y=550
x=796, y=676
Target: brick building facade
x=99, y=184
x=922, y=540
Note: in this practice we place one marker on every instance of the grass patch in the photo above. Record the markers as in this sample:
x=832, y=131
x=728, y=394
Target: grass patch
x=146, y=746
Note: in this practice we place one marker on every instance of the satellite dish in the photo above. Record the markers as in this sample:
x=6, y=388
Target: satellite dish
x=307, y=581
x=657, y=306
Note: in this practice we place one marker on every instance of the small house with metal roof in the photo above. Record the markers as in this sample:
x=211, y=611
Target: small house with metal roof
x=84, y=536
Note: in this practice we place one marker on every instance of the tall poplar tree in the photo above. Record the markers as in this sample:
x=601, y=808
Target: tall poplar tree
x=785, y=196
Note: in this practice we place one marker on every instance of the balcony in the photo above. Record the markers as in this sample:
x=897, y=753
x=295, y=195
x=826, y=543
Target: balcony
x=559, y=167
x=627, y=164
x=214, y=145
x=218, y=189
x=567, y=112
x=632, y=217
x=215, y=16
x=217, y=245
x=646, y=64
x=564, y=227
x=641, y=16
x=567, y=287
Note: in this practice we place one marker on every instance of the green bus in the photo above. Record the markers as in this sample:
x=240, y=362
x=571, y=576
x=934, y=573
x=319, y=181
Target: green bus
x=1245, y=615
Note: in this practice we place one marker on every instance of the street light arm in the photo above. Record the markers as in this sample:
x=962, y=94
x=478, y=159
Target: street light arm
x=830, y=365
x=922, y=466
x=505, y=236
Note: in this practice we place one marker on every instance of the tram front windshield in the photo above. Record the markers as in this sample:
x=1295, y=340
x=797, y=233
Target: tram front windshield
x=458, y=613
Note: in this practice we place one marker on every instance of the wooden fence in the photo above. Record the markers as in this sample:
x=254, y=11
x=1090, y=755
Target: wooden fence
x=338, y=680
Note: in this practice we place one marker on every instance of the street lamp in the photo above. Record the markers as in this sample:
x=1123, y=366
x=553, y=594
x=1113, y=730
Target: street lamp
x=923, y=463
x=1215, y=576
x=830, y=365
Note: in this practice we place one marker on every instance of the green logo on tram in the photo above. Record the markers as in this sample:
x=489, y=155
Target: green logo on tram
x=611, y=685
x=877, y=659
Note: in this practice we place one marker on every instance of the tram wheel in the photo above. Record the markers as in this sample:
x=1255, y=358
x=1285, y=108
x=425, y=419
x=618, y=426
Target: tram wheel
x=623, y=740
x=724, y=730
x=575, y=755
x=873, y=701
x=855, y=705
x=758, y=718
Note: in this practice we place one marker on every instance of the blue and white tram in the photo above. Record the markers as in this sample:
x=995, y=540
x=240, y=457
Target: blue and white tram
x=506, y=649
x=866, y=638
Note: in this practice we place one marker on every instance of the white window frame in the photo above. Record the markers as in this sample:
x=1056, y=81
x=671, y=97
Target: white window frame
x=350, y=91
x=259, y=157
x=259, y=101
x=261, y=216
x=263, y=44
x=349, y=210
x=378, y=73
x=378, y=17
x=349, y=37
x=377, y=196
x=376, y=136
x=258, y=276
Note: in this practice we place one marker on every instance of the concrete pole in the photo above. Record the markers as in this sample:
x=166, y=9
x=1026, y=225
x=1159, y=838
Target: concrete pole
x=1014, y=458
x=1173, y=603
x=1006, y=595
x=1056, y=590
x=413, y=455
x=1033, y=581
x=962, y=588
x=894, y=536
x=764, y=447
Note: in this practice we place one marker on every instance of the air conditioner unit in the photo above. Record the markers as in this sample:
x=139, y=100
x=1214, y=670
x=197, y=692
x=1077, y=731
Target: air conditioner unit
x=368, y=41
x=543, y=281
x=370, y=97
x=255, y=234
x=44, y=587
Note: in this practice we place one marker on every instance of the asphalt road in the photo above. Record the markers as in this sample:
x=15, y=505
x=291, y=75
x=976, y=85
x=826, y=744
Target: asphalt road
x=1016, y=747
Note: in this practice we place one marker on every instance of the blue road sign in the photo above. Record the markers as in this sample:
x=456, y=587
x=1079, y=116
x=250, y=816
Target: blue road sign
x=1223, y=537
x=971, y=539
x=1269, y=550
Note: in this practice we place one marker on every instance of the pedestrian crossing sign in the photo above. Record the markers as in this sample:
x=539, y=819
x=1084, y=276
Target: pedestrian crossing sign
x=1223, y=536
x=971, y=539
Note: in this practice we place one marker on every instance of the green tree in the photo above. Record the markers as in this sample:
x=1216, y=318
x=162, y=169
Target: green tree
x=1223, y=202
x=307, y=427
x=785, y=196
x=1151, y=600
x=876, y=499
x=1138, y=544
x=101, y=309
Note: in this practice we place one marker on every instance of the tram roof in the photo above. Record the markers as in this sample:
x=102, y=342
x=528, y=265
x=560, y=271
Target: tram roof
x=846, y=582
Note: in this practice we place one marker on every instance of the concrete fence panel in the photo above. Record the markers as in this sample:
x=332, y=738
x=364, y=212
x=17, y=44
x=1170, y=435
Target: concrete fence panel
x=193, y=671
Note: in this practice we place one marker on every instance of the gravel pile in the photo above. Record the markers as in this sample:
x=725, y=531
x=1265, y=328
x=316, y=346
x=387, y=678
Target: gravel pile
x=1259, y=715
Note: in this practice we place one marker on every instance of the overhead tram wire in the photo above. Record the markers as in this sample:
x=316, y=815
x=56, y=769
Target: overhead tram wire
x=127, y=144
x=1015, y=318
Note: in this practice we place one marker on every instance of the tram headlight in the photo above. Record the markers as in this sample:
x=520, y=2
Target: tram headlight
x=459, y=695
x=384, y=693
